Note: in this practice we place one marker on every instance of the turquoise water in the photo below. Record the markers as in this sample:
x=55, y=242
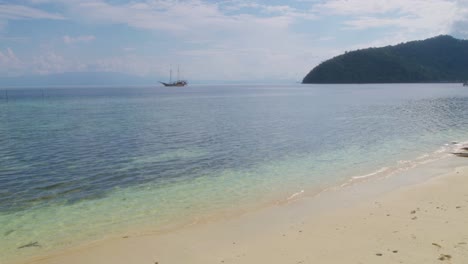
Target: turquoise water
x=78, y=164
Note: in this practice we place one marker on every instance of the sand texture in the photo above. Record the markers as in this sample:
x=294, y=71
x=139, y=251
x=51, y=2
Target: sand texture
x=418, y=223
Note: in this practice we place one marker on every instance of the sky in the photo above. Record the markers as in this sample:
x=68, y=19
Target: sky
x=210, y=40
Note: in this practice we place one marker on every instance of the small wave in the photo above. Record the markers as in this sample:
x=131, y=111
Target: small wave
x=295, y=195
x=441, y=150
x=404, y=165
x=371, y=174
x=423, y=156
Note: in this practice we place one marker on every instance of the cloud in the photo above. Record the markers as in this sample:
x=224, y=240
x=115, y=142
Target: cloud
x=127, y=63
x=15, y=12
x=157, y=15
x=46, y=63
x=360, y=7
x=8, y=56
x=78, y=39
x=224, y=29
x=235, y=39
x=460, y=29
x=181, y=17
x=51, y=62
x=10, y=65
x=460, y=26
x=428, y=15
x=392, y=22
x=283, y=10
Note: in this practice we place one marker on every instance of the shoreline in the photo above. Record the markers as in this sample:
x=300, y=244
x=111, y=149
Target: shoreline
x=335, y=221
x=144, y=162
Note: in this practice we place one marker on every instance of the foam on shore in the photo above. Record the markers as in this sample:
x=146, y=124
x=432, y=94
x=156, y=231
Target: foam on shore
x=357, y=189
x=383, y=220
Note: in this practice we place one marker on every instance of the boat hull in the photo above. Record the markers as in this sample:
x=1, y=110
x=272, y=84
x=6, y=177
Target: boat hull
x=176, y=84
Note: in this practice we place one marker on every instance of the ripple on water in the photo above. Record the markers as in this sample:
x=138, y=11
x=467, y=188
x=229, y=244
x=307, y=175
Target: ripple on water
x=87, y=163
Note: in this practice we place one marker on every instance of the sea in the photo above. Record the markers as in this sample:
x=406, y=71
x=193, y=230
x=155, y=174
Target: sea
x=80, y=164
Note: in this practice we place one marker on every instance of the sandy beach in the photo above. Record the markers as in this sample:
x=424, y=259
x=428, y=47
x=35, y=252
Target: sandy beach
x=422, y=222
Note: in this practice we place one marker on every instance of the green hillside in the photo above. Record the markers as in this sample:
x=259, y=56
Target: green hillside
x=438, y=59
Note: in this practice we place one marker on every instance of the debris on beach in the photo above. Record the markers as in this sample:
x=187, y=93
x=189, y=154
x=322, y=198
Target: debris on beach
x=461, y=154
x=9, y=232
x=32, y=244
x=445, y=257
x=437, y=245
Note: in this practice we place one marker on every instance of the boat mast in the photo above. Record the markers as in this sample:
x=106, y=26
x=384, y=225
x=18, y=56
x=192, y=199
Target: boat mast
x=170, y=74
x=178, y=73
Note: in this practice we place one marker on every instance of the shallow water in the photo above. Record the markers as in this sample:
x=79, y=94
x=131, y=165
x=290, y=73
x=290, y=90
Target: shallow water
x=80, y=163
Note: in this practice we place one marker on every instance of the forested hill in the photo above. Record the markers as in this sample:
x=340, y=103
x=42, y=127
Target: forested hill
x=438, y=59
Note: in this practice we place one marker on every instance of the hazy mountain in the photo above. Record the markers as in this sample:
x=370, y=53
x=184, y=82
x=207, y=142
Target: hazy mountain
x=112, y=79
x=78, y=78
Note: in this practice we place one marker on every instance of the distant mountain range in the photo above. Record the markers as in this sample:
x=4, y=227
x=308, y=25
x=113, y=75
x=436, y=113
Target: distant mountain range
x=112, y=79
x=438, y=59
x=77, y=79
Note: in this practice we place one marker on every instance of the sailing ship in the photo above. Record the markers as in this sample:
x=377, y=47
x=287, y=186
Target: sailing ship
x=178, y=83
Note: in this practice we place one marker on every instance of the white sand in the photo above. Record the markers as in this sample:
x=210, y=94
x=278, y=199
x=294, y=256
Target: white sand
x=417, y=223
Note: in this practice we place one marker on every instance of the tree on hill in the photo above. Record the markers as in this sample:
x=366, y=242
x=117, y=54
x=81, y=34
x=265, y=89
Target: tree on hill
x=438, y=59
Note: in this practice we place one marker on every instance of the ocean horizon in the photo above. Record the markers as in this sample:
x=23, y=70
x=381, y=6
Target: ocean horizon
x=81, y=164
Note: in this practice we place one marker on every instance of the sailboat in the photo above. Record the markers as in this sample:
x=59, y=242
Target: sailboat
x=178, y=83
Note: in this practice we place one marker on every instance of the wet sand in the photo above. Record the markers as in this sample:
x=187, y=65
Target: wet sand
x=425, y=222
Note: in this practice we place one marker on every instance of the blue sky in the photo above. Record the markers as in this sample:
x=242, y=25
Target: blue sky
x=221, y=40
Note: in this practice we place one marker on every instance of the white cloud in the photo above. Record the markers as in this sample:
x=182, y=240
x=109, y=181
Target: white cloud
x=10, y=65
x=362, y=7
x=125, y=63
x=181, y=17
x=240, y=39
x=253, y=37
x=432, y=16
x=398, y=20
x=460, y=26
x=283, y=10
x=226, y=36
x=78, y=39
x=24, y=12
x=48, y=63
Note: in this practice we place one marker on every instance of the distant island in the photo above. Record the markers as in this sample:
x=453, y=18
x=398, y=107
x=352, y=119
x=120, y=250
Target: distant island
x=439, y=59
